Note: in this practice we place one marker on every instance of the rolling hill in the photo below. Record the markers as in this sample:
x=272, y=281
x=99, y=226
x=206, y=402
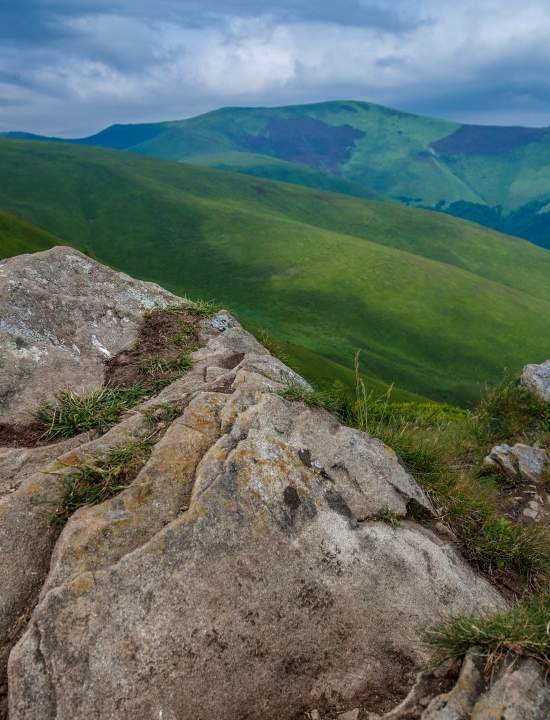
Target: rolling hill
x=18, y=237
x=498, y=176
x=437, y=305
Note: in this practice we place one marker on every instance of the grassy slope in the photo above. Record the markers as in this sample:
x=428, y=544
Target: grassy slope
x=18, y=237
x=393, y=157
x=328, y=273
x=274, y=169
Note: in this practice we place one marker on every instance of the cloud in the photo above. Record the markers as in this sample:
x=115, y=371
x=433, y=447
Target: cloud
x=75, y=67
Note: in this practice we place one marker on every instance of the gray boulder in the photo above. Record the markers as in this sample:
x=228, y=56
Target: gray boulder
x=537, y=379
x=243, y=573
x=518, y=461
x=520, y=691
x=61, y=316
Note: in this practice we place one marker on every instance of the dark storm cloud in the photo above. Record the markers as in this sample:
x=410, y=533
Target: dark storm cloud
x=74, y=67
x=39, y=20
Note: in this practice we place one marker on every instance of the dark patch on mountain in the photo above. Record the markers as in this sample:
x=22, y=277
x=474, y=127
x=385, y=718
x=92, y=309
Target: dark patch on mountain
x=305, y=140
x=487, y=140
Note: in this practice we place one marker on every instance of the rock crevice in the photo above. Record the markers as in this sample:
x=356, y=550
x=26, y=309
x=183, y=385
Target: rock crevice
x=232, y=578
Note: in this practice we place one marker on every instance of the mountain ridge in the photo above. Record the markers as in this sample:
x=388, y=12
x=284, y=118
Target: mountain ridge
x=496, y=175
x=421, y=293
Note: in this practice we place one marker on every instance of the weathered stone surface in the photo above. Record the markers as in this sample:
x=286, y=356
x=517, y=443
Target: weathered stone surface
x=18, y=463
x=518, y=461
x=61, y=315
x=349, y=715
x=537, y=379
x=429, y=684
x=459, y=702
x=274, y=586
x=519, y=692
x=242, y=574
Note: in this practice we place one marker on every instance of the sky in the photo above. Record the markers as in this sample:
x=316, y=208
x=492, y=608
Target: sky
x=73, y=67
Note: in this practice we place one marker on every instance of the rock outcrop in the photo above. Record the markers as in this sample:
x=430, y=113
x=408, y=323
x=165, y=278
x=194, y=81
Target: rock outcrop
x=519, y=461
x=245, y=571
x=525, y=496
x=516, y=690
x=537, y=379
x=61, y=316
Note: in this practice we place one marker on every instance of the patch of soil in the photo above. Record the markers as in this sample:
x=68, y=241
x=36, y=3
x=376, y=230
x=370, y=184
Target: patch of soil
x=515, y=496
x=21, y=435
x=153, y=361
x=164, y=337
x=402, y=685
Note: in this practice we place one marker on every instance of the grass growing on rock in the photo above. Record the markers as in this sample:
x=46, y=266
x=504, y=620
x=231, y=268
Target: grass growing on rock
x=163, y=370
x=94, y=480
x=522, y=630
x=204, y=308
x=162, y=351
x=443, y=447
x=161, y=415
x=73, y=414
x=511, y=412
x=389, y=517
x=160, y=355
x=198, y=308
x=327, y=399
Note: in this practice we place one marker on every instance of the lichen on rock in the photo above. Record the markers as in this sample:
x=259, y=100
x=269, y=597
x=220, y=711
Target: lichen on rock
x=243, y=572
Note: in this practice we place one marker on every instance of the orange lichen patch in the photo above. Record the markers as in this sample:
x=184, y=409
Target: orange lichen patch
x=68, y=461
x=196, y=511
x=231, y=505
x=80, y=552
x=32, y=488
x=261, y=525
x=136, y=496
x=82, y=584
x=278, y=469
x=156, y=545
x=202, y=414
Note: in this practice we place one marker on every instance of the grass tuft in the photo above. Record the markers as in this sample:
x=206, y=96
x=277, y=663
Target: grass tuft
x=185, y=337
x=163, y=414
x=389, y=517
x=73, y=414
x=467, y=503
x=199, y=308
x=155, y=365
x=512, y=412
x=272, y=345
x=442, y=447
x=94, y=480
x=329, y=399
x=523, y=630
x=204, y=308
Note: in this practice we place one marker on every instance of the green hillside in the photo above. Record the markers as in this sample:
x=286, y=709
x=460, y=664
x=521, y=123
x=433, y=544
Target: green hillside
x=498, y=176
x=437, y=305
x=273, y=169
x=18, y=237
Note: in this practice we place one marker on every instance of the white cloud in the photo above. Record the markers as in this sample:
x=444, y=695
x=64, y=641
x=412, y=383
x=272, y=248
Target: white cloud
x=450, y=57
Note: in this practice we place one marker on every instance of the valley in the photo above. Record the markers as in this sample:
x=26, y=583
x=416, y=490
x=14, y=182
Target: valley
x=437, y=306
